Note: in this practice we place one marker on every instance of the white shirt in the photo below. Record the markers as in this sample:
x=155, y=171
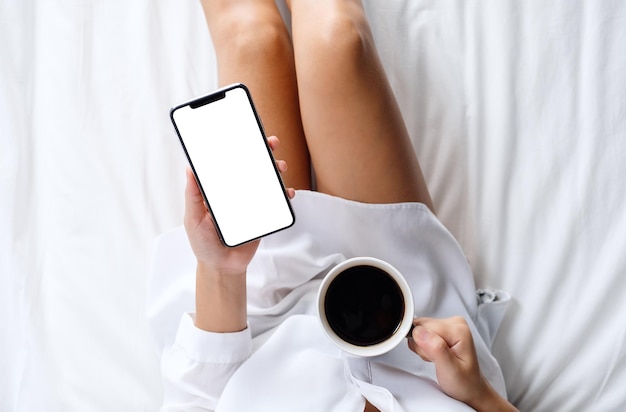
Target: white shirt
x=283, y=360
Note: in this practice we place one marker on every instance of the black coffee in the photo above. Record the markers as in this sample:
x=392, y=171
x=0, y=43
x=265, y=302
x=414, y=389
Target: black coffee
x=364, y=305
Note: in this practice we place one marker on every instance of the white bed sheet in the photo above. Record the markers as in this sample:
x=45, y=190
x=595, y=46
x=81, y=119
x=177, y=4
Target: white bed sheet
x=517, y=110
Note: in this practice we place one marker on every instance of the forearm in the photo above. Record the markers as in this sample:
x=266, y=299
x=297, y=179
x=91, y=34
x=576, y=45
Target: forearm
x=220, y=300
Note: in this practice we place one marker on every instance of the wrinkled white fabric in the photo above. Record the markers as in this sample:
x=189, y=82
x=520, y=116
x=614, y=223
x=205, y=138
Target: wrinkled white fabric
x=515, y=110
x=283, y=361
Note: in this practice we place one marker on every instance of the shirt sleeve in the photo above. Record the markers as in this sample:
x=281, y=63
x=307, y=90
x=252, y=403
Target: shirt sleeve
x=197, y=367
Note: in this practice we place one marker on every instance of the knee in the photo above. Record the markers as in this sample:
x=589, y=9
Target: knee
x=340, y=36
x=248, y=35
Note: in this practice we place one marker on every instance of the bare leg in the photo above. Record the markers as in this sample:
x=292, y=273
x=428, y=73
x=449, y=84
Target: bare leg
x=253, y=47
x=356, y=136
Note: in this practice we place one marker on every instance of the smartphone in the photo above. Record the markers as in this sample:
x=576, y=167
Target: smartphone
x=223, y=139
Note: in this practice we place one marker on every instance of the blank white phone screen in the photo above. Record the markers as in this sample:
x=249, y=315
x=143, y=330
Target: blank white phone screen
x=227, y=150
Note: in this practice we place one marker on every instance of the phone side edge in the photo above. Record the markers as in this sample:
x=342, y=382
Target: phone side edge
x=193, y=170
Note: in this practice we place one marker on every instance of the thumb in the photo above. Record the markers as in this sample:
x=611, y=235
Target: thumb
x=191, y=187
x=194, y=203
x=432, y=347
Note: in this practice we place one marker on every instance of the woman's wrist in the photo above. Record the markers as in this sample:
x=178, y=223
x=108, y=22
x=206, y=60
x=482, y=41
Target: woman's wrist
x=220, y=299
x=491, y=401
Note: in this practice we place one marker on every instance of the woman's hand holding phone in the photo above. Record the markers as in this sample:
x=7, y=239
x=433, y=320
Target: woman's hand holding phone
x=202, y=235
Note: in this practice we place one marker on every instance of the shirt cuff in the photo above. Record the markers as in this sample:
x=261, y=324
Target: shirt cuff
x=212, y=347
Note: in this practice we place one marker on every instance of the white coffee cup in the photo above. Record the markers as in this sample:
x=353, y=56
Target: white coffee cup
x=365, y=306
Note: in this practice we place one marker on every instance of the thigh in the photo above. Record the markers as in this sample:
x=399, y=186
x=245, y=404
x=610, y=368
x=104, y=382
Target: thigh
x=357, y=139
x=253, y=47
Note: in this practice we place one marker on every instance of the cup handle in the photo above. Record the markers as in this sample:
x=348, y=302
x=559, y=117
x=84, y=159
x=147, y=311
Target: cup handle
x=408, y=335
